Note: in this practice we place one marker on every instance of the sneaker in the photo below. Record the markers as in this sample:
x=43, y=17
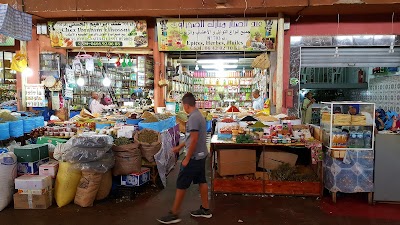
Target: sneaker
x=202, y=212
x=169, y=219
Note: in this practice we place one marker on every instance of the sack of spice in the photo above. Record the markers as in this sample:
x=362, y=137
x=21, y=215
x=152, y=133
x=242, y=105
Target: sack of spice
x=150, y=143
x=128, y=159
x=87, y=189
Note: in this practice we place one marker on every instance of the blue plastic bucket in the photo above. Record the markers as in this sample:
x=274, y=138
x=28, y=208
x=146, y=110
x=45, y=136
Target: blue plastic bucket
x=29, y=124
x=133, y=121
x=4, y=131
x=16, y=128
x=39, y=121
x=100, y=126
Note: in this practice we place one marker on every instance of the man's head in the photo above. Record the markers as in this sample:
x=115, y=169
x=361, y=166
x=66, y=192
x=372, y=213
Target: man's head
x=256, y=93
x=95, y=95
x=189, y=102
x=309, y=95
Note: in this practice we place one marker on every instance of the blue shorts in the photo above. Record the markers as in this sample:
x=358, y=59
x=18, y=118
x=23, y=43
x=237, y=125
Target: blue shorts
x=194, y=172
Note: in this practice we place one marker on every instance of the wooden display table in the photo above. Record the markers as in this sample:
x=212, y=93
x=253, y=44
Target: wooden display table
x=242, y=185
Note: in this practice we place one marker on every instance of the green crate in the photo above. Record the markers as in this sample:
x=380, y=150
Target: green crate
x=50, y=140
x=31, y=153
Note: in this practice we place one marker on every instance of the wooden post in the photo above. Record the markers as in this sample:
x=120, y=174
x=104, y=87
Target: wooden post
x=279, y=66
x=24, y=80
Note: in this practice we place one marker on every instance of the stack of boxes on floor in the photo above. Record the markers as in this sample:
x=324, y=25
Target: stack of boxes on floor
x=37, y=177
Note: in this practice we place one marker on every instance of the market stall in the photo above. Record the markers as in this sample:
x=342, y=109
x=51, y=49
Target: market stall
x=277, y=158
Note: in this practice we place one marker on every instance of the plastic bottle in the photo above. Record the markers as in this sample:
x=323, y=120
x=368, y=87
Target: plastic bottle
x=367, y=139
x=352, y=138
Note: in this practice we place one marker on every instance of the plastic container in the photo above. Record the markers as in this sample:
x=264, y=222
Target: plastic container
x=16, y=128
x=4, y=131
x=133, y=121
x=367, y=139
x=100, y=126
x=39, y=121
x=29, y=124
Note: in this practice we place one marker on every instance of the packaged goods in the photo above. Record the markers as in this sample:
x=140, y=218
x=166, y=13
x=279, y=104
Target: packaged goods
x=31, y=153
x=8, y=172
x=67, y=182
x=87, y=189
x=49, y=169
x=136, y=179
x=30, y=167
x=33, y=182
x=42, y=201
x=105, y=186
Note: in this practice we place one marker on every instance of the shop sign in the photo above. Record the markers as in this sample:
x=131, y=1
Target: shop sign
x=238, y=34
x=35, y=95
x=121, y=33
x=6, y=41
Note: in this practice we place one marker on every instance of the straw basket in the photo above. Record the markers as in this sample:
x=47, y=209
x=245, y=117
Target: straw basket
x=261, y=62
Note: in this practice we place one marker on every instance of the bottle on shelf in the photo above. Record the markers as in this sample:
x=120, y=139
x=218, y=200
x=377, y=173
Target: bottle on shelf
x=352, y=138
x=367, y=139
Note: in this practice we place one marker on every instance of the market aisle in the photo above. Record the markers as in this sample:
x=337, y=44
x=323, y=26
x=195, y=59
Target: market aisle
x=229, y=209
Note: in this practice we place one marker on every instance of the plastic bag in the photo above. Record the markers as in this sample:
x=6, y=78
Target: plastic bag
x=88, y=188
x=8, y=172
x=4, y=131
x=12, y=145
x=16, y=128
x=101, y=166
x=66, y=183
x=19, y=62
x=84, y=148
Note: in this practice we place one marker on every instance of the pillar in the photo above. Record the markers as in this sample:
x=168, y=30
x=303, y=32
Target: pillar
x=279, y=66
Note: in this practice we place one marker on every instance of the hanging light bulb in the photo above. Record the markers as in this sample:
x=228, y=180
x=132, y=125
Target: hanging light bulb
x=80, y=82
x=197, y=67
x=27, y=72
x=106, y=82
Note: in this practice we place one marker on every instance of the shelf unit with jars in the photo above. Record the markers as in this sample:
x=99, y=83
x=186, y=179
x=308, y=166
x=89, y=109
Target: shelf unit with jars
x=220, y=89
x=50, y=65
x=128, y=75
x=8, y=77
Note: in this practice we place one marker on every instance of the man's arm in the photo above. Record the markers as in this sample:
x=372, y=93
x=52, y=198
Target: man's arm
x=194, y=137
x=178, y=148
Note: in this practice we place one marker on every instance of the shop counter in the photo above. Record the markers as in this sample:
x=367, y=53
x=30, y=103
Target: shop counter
x=262, y=184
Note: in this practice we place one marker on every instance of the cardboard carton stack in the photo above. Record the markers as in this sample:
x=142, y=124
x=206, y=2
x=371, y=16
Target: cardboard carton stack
x=34, y=192
x=136, y=179
x=30, y=157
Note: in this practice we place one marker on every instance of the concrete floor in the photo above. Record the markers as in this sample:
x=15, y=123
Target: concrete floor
x=228, y=209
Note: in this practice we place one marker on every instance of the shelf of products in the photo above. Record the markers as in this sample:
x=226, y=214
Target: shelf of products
x=128, y=75
x=348, y=126
x=8, y=78
x=50, y=65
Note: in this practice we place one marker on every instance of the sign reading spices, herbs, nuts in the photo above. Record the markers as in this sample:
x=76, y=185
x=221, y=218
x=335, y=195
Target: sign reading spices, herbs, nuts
x=98, y=33
x=218, y=34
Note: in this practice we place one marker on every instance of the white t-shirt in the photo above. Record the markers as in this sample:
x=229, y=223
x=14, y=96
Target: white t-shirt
x=258, y=103
x=96, y=106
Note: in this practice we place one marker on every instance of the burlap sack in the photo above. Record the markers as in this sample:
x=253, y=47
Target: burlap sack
x=149, y=150
x=87, y=189
x=105, y=186
x=127, y=159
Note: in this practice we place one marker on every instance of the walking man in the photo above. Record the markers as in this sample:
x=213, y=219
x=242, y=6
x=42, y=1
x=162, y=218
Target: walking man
x=193, y=165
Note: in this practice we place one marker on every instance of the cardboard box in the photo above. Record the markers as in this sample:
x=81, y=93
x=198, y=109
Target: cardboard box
x=34, y=192
x=271, y=160
x=262, y=176
x=33, y=182
x=49, y=169
x=31, y=153
x=236, y=161
x=43, y=201
x=30, y=167
x=136, y=179
x=50, y=140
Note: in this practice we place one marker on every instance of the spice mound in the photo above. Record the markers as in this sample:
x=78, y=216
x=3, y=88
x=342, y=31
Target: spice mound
x=148, y=136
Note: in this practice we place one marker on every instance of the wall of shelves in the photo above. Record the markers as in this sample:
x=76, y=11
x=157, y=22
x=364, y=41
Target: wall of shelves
x=135, y=74
x=8, y=78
